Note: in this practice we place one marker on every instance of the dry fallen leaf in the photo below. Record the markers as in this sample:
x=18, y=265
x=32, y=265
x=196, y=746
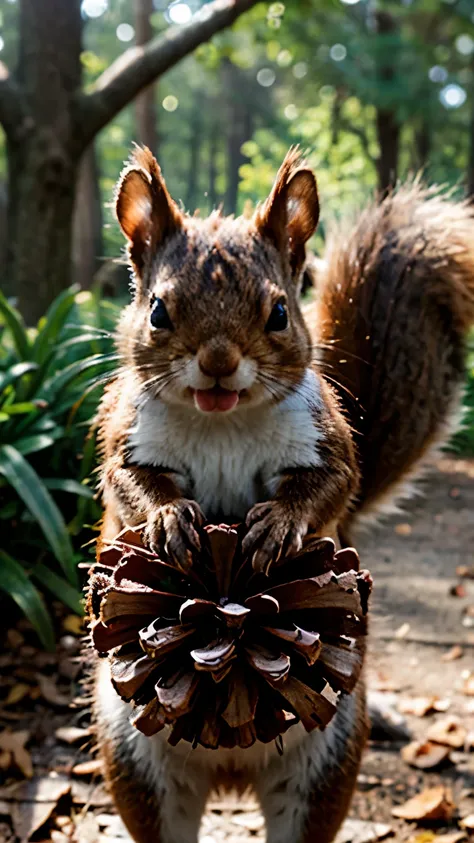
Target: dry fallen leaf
x=435, y=803
x=468, y=823
x=449, y=731
x=362, y=831
x=403, y=529
x=17, y=692
x=28, y=817
x=73, y=624
x=402, y=631
x=465, y=571
x=451, y=837
x=35, y=801
x=50, y=692
x=88, y=768
x=71, y=734
x=453, y=654
x=424, y=755
x=418, y=706
x=468, y=686
x=14, y=742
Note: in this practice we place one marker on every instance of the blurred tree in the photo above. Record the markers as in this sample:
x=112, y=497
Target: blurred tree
x=145, y=105
x=49, y=122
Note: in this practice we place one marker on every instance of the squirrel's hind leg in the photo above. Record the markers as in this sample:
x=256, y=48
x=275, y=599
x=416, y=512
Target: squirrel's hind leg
x=305, y=795
x=158, y=794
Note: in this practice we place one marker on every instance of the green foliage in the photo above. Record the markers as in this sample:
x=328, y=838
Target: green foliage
x=463, y=440
x=50, y=383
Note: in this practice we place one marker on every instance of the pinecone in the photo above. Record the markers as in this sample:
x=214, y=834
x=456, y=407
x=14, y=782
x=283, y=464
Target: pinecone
x=223, y=655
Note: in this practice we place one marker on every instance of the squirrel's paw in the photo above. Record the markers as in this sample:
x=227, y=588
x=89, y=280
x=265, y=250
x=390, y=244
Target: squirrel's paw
x=172, y=529
x=275, y=532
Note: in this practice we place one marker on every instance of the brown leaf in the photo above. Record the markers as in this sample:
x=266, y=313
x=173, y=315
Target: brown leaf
x=448, y=732
x=35, y=802
x=403, y=529
x=14, y=743
x=456, y=652
x=435, y=803
x=468, y=685
x=88, y=768
x=74, y=624
x=362, y=831
x=465, y=571
x=17, y=692
x=418, y=706
x=71, y=734
x=28, y=817
x=51, y=693
x=424, y=754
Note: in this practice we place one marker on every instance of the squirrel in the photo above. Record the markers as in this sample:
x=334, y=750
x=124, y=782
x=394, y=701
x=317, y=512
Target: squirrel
x=235, y=402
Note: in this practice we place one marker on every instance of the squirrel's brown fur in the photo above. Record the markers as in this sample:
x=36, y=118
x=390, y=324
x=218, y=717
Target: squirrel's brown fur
x=331, y=413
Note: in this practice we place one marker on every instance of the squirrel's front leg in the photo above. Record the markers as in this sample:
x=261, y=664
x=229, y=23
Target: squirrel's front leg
x=151, y=497
x=306, y=498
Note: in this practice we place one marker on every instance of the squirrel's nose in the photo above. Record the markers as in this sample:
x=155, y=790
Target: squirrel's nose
x=218, y=360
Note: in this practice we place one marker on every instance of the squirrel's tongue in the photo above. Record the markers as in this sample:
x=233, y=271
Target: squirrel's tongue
x=217, y=399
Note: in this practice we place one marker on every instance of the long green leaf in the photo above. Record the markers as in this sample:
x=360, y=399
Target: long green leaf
x=61, y=589
x=31, y=489
x=16, y=326
x=61, y=379
x=54, y=321
x=31, y=444
x=15, y=582
x=15, y=372
x=66, y=485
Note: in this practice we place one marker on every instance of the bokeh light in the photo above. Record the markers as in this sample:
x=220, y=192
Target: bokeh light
x=338, y=52
x=300, y=70
x=291, y=112
x=350, y=2
x=284, y=58
x=170, y=103
x=464, y=45
x=438, y=73
x=266, y=77
x=94, y=8
x=452, y=96
x=125, y=32
x=179, y=13
x=2, y=43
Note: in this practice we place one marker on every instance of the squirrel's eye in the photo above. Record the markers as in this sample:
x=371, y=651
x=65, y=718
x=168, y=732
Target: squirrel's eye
x=159, y=316
x=278, y=319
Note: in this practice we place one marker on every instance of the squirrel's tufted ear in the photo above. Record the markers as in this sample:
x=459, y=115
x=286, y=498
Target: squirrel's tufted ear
x=145, y=210
x=290, y=214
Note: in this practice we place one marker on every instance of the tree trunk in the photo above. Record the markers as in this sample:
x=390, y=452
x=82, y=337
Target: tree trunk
x=240, y=127
x=43, y=160
x=145, y=103
x=388, y=129
x=423, y=144
x=213, y=150
x=195, y=142
x=87, y=222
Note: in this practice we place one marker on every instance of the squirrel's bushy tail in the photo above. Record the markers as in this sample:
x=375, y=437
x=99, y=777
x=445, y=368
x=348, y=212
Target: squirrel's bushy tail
x=394, y=300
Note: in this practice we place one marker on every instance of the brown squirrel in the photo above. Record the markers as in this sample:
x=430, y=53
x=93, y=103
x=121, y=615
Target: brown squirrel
x=231, y=404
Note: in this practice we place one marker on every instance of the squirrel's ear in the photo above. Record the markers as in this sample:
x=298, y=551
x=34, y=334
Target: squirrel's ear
x=145, y=210
x=290, y=214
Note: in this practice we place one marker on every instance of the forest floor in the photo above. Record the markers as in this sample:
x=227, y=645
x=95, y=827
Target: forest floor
x=421, y=663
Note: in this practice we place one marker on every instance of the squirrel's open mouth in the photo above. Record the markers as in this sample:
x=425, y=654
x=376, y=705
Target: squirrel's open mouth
x=215, y=400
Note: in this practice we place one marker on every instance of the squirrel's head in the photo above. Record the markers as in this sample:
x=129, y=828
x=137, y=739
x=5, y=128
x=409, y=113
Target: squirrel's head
x=215, y=322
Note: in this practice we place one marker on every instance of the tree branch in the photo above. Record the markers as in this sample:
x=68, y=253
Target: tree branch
x=140, y=66
x=12, y=112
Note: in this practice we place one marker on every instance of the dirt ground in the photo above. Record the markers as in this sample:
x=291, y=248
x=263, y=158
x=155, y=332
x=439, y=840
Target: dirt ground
x=421, y=656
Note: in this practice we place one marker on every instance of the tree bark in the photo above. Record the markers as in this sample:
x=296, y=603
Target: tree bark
x=388, y=128
x=195, y=142
x=145, y=103
x=87, y=221
x=49, y=122
x=240, y=127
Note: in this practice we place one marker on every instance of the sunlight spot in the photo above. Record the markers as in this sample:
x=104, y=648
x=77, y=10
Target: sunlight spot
x=464, y=45
x=350, y=2
x=300, y=70
x=338, y=52
x=266, y=77
x=125, y=32
x=2, y=43
x=284, y=58
x=438, y=73
x=94, y=8
x=179, y=13
x=291, y=112
x=170, y=103
x=452, y=96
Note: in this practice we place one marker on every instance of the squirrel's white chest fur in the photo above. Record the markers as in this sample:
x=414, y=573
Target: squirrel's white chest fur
x=229, y=462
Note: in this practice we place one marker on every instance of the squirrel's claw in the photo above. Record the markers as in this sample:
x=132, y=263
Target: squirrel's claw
x=172, y=529
x=274, y=534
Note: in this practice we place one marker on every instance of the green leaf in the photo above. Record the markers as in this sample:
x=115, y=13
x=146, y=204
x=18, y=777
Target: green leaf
x=16, y=326
x=66, y=485
x=58, y=586
x=15, y=372
x=20, y=408
x=63, y=378
x=31, y=489
x=54, y=320
x=15, y=582
x=31, y=444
